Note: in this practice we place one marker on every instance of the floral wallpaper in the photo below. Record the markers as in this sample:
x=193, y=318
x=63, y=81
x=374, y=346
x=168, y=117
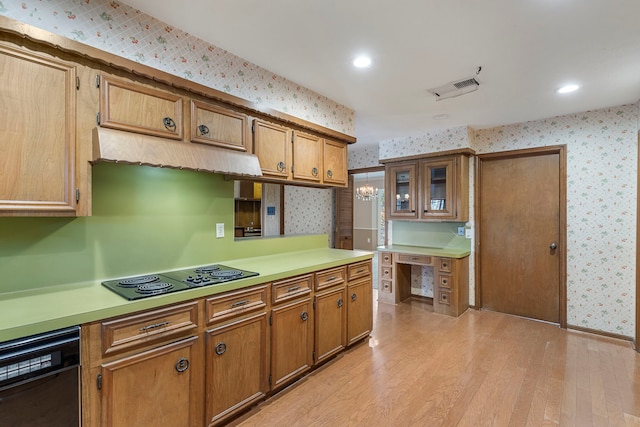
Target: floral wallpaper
x=439, y=140
x=117, y=28
x=602, y=158
x=308, y=211
x=363, y=156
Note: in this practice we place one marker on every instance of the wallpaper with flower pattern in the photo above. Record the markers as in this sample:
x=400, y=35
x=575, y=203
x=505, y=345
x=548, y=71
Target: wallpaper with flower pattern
x=308, y=211
x=117, y=28
x=428, y=142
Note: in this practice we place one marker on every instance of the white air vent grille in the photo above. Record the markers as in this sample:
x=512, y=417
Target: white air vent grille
x=455, y=88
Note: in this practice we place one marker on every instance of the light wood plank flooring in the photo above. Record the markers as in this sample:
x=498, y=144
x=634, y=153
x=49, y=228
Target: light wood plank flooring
x=482, y=369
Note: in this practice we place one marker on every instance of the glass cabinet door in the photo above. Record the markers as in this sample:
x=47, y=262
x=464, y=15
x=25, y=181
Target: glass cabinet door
x=437, y=187
x=402, y=193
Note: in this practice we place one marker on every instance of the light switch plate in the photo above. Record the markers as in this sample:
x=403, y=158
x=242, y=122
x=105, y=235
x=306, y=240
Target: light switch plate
x=460, y=231
x=468, y=233
x=219, y=230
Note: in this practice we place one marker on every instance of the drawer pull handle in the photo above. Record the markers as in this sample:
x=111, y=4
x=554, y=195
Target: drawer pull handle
x=340, y=303
x=239, y=303
x=293, y=288
x=281, y=166
x=414, y=258
x=182, y=364
x=154, y=326
x=360, y=270
x=304, y=316
x=204, y=129
x=169, y=123
x=221, y=348
x=331, y=279
x=314, y=171
x=354, y=297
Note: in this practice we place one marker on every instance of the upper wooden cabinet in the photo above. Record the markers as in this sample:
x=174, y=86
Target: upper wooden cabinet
x=136, y=108
x=298, y=157
x=335, y=163
x=214, y=125
x=37, y=134
x=432, y=189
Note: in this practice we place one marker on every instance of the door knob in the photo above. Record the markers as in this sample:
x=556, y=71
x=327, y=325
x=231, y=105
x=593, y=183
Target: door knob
x=553, y=246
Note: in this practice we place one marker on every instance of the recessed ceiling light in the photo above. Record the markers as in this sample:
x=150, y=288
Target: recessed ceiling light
x=362, y=62
x=568, y=88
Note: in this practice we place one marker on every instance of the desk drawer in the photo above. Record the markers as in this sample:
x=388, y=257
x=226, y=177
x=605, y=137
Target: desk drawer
x=359, y=269
x=444, y=281
x=386, y=286
x=385, y=258
x=134, y=331
x=332, y=277
x=413, y=259
x=233, y=304
x=288, y=289
x=444, y=264
x=386, y=273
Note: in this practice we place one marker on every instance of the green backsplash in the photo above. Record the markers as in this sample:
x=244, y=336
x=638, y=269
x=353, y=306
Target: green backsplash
x=144, y=220
x=429, y=234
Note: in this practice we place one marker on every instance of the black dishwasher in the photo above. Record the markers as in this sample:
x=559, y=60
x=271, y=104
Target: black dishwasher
x=39, y=380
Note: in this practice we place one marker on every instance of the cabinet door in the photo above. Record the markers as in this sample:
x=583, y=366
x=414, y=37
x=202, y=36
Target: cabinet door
x=236, y=370
x=331, y=316
x=156, y=387
x=401, y=195
x=291, y=341
x=359, y=311
x=37, y=134
x=335, y=163
x=136, y=108
x=438, y=198
x=215, y=125
x=307, y=157
x=272, y=146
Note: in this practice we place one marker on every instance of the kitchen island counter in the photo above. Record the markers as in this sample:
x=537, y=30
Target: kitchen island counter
x=48, y=308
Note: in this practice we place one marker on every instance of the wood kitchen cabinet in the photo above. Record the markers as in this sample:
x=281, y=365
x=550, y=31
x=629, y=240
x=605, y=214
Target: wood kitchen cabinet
x=133, y=107
x=307, y=157
x=215, y=125
x=429, y=189
x=359, y=301
x=330, y=313
x=335, y=163
x=272, y=146
x=37, y=134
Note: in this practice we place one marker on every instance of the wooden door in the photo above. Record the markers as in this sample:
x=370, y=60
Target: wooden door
x=38, y=127
x=344, y=217
x=291, y=341
x=331, y=316
x=335, y=163
x=272, y=146
x=307, y=157
x=159, y=384
x=521, y=233
x=235, y=367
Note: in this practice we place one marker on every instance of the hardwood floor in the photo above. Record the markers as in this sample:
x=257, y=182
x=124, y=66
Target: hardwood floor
x=481, y=369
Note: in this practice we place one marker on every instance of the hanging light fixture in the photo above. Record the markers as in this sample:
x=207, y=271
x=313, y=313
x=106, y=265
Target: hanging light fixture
x=366, y=192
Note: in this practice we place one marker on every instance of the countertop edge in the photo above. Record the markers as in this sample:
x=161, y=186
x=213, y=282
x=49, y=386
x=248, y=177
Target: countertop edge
x=423, y=250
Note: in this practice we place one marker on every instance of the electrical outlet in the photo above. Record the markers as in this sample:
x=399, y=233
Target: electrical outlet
x=460, y=231
x=468, y=234
x=219, y=230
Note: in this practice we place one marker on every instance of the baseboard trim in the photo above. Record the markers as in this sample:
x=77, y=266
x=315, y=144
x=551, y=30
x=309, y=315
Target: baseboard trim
x=602, y=333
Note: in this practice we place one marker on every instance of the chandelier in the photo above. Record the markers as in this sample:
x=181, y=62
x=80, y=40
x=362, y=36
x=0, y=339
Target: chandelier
x=366, y=192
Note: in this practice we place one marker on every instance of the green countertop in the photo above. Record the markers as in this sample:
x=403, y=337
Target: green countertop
x=423, y=250
x=40, y=310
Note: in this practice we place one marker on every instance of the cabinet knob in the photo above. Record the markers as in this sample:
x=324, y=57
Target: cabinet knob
x=304, y=316
x=354, y=297
x=340, y=303
x=314, y=171
x=221, y=348
x=182, y=364
x=203, y=129
x=169, y=123
x=281, y=166
x=553, y=246
x=330, y=173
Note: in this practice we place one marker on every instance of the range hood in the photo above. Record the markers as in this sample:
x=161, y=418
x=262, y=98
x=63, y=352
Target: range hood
x=127, y=147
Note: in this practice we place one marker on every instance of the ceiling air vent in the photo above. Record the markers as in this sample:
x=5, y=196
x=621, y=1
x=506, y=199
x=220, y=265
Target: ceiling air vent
x=455, y=88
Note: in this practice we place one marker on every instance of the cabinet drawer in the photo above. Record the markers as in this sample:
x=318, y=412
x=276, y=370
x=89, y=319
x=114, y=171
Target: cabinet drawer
x=444, y=281
x=232, y=304
x=328, y=278
x=385, y=258
x=288, y=289
x=135, y=331
x=444, y=264
x=359, y=269
x=386, y=286
x=386, y=273
x=444, y=296
x=414, y=259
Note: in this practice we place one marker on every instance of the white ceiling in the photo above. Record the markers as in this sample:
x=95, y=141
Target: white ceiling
x=527, y=49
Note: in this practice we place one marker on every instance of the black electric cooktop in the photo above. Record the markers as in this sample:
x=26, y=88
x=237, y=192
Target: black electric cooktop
x=149, y=285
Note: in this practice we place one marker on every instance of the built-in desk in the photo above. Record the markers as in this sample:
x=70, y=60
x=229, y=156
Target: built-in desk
x=450, y=276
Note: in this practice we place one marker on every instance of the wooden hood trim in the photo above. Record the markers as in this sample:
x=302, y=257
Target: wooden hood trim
x=118, y=146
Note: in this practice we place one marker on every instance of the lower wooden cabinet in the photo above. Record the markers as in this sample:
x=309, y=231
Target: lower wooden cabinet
x=154, y=387
x=330, y=323
x=359, y=312
x=291, y=341
x=236, y=367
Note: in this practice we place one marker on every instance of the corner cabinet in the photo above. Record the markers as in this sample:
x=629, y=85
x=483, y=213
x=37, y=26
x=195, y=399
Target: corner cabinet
x=429, y=189
x=294, y=157
x=37, y=134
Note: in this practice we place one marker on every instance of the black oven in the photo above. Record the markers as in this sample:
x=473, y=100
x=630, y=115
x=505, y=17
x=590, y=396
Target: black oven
x=40, y=381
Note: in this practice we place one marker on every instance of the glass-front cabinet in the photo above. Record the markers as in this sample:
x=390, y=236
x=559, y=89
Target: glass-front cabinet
x=402, y=191
x=437, y=188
